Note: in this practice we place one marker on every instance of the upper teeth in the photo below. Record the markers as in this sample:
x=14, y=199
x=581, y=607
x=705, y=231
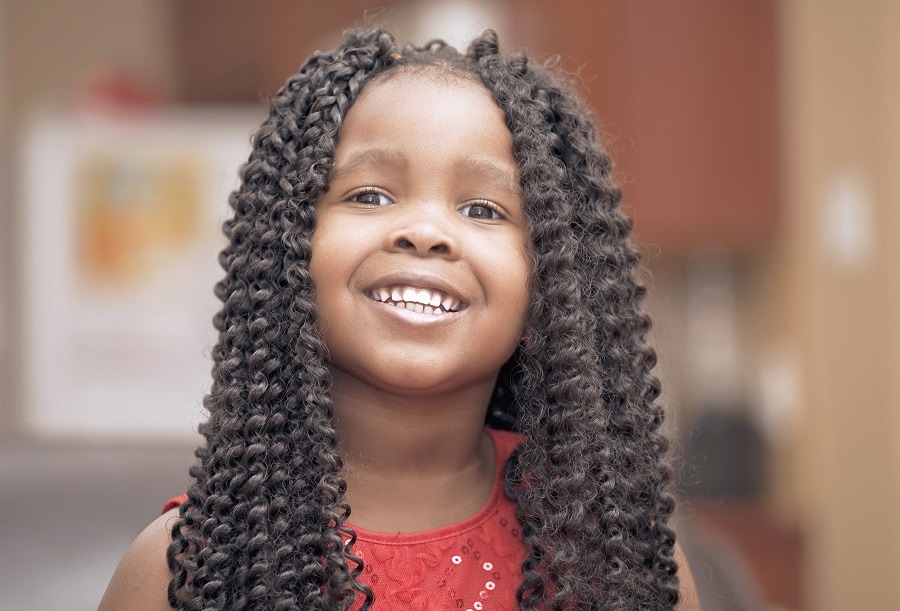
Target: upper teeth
x=430, y=301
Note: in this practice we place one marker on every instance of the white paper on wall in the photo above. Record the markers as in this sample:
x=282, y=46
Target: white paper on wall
x=121, y=233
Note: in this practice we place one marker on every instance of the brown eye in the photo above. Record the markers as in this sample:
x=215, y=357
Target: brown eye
x=480, y=211
x=371, y=198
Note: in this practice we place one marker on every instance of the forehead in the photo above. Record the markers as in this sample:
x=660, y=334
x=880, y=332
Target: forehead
x=426, y=115
x=427, y=73
x=407, y=90
x=419, y=131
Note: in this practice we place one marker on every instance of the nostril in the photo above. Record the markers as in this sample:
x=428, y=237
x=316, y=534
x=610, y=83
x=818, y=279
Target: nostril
x=422, y=244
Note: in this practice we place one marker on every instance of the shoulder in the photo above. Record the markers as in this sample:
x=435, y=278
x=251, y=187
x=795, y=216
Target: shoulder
x=690, y=601
x=142, y=578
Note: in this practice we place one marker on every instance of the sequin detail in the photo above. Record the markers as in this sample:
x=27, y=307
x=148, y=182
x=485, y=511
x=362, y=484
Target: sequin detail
x=473, y=565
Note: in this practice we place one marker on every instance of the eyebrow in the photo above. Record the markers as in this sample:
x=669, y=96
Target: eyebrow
x=396, y=161
x=370, y=157
x=491, y=171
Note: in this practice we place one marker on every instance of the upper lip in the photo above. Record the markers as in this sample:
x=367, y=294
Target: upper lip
x=422, y=280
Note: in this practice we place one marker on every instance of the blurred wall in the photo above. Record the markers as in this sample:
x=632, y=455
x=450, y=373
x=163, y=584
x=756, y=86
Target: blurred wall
x=46, y=48
x=840, y=293
x=51, y=45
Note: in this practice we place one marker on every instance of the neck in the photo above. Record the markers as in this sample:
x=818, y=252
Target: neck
x=398, y=433
x=413, y=462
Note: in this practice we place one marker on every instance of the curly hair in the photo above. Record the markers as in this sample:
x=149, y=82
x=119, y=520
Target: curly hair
x=264, y=526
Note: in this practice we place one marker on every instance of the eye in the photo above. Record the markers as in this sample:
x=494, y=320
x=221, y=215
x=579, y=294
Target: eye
x=481, y=211
x=370, y=197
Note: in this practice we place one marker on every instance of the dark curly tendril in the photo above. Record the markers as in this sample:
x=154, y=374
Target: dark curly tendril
x=264, y=523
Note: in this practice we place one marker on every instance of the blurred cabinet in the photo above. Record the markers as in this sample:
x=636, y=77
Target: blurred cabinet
x=686, y=91
x=687, y=95
x=238, y=51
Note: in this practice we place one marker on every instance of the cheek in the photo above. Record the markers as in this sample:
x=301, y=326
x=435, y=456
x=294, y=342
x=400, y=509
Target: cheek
x=324, y=267
x=515, y=273
x=326, y=251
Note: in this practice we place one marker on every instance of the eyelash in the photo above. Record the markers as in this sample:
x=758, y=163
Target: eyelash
x=368, y=191
x=481, y=203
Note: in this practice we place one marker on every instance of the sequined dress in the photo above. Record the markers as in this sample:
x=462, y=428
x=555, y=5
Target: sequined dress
x=473, y=565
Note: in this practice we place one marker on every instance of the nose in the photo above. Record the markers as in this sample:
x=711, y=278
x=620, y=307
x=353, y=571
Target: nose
x=425, y=232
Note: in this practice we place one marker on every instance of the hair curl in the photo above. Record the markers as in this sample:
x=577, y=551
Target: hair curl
x=591, y=480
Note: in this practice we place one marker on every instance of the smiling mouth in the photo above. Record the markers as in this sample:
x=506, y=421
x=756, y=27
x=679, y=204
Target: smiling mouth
x=427, y=301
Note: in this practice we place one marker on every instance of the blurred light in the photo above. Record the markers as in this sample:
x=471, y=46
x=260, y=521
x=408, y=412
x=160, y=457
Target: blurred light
x=848, y=231
x=455, y=21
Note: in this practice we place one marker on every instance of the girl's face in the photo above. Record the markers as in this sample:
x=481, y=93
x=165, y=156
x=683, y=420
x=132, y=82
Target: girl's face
x=421, y=253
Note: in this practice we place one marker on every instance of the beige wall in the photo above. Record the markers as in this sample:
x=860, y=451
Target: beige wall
x=841, y=272
x=53, y=44
x=46, y=48
x=890, y=170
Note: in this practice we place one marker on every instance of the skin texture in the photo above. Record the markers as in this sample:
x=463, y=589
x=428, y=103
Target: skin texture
x=425, y=198
x=142, y=577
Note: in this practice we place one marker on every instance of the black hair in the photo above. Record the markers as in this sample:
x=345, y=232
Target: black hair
x=264, y=523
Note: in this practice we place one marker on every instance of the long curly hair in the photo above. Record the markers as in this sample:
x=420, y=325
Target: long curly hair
x=264, y=525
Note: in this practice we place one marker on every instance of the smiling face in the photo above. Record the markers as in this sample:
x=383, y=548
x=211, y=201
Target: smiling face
x=420, y=256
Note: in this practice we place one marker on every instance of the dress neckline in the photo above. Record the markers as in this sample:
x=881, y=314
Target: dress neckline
x=456, y=528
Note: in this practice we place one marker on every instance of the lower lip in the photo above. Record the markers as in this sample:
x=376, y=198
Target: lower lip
x=412, y=317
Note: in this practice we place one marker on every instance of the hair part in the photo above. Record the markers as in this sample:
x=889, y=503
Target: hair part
x=591, y=481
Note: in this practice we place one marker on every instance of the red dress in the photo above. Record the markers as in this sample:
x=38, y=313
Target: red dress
x=473, y=565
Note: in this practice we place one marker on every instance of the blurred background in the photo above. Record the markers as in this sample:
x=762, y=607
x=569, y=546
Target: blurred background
x=757, y=141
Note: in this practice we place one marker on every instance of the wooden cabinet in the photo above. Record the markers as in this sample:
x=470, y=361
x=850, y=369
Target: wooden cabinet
x=236, y=51
x=686, y=93
x=687, y=96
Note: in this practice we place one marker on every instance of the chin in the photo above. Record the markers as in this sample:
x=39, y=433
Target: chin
x=421, y=380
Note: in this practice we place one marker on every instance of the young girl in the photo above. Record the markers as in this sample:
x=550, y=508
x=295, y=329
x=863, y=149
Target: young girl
x=426, y=253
